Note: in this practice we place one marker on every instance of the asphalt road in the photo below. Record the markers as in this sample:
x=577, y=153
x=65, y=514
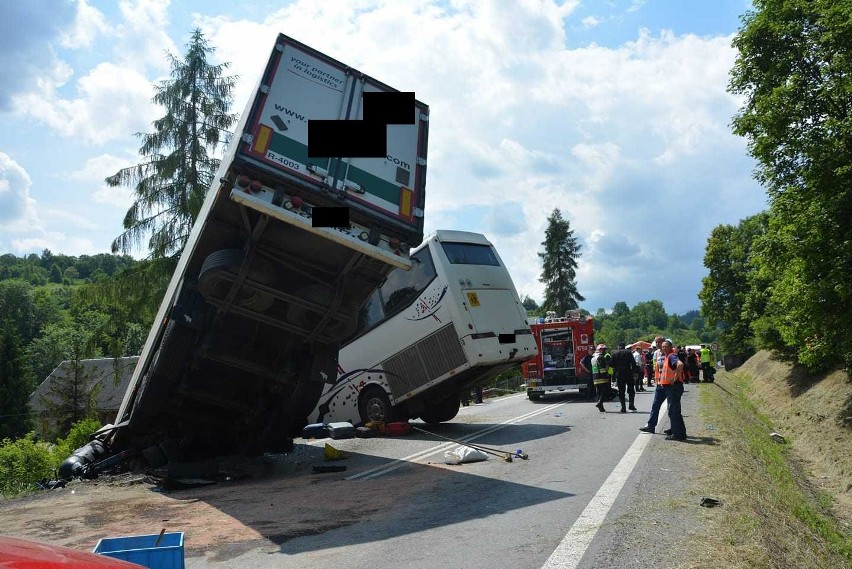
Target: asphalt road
x=493, y=513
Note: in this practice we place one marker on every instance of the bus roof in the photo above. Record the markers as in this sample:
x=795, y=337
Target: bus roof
x=459, y=236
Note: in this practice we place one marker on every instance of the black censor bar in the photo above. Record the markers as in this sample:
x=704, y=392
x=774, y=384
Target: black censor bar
x=330, y=217
x=365, y=138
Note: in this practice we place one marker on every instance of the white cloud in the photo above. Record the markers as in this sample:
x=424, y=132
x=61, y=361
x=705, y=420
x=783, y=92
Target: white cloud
x=519, y=123
x=590, y=22
x=88, y=24
x=636, y=5
x=605, y=134
x=112, y=99
x=55, y=241
x=142, y=37
x=26, y=54
x=96, y=170
x=17, y=208
x=114, y=102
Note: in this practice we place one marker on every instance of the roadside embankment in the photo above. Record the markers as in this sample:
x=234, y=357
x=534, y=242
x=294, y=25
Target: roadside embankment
x=785, y=504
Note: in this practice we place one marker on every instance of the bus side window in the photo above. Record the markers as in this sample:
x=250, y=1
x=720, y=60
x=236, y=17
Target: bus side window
x=403, y=287
x=370, y=314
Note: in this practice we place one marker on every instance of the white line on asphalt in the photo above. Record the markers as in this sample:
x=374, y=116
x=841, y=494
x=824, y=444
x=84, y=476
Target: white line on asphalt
x=399, y=463
x=571, y=549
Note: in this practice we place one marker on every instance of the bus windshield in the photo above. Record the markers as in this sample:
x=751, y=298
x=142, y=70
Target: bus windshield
x=470, y=254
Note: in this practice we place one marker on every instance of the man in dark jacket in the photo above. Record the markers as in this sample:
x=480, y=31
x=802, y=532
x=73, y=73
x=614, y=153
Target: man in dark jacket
x=624, y=366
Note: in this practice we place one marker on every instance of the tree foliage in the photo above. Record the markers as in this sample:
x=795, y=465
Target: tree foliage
x=645, y=321
x=729, y=287
x=793, y=69
x=170, y=183
x=559, y=265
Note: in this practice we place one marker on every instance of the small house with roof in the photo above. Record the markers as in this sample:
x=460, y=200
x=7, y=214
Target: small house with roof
x=105, y=380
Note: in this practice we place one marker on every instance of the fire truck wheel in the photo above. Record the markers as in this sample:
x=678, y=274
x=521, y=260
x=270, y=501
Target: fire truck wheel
x=374, y=405
x=534, y=396
x=441, y=411
x=213, y=284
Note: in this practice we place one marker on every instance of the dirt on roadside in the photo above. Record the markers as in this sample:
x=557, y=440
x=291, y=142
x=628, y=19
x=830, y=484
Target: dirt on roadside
x=815, y=414
x=268, y=506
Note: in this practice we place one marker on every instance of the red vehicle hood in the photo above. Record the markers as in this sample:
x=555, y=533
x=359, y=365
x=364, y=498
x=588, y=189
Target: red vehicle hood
x=23, y=554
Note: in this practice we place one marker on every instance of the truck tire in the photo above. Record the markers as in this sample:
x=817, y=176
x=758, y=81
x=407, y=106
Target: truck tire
x=441, y=411
x=211, y=283
x=374, y=405
x=534, y=396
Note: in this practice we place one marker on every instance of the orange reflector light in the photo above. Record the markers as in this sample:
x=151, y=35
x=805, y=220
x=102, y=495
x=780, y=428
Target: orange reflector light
x=261, y=143
x=405, y=198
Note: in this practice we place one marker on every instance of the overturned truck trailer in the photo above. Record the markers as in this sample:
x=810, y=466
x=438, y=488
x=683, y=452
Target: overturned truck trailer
x=286, y=249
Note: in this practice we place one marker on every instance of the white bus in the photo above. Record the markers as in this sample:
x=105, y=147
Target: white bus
x=429, y=335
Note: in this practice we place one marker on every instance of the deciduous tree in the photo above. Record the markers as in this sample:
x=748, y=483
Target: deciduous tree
x=793, y=70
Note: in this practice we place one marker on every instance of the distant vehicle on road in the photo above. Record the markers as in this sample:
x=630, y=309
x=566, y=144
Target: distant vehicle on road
x=428, y=335
x=561, y=341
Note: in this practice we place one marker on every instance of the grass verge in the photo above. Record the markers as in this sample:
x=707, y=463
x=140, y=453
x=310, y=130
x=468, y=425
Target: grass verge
x=772, y=515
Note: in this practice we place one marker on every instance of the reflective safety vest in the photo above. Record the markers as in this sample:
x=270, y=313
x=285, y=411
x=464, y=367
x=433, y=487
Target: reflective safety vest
x=600, y=369
x=705, y=355
x=665, y=374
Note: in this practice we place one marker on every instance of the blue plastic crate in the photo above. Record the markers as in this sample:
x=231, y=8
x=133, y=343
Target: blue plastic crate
x=168, y=554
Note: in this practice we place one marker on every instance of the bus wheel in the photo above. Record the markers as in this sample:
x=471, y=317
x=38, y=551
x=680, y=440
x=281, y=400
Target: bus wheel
x=441, y=411
x=374, y=405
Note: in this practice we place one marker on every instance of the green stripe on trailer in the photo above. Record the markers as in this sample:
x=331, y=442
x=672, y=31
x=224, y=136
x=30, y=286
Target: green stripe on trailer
x=296, y=151
x=371, y=183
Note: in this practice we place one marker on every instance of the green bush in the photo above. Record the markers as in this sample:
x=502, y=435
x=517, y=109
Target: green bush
x=26, y=460
x=22, y=462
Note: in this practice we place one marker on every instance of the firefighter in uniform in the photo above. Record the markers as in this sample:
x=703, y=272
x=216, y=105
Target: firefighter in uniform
x=600, y=369
x=625, y=366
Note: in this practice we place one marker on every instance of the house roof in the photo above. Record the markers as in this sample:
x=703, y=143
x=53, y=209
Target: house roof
x=112, y=374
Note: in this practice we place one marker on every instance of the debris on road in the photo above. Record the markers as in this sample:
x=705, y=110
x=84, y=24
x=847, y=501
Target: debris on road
x=463, y=455
x=332, y=453
x=710, y=502
x=778, y=438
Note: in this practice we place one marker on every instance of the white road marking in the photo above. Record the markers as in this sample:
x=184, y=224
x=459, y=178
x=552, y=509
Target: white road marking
x=571, y=549
x=394, y=465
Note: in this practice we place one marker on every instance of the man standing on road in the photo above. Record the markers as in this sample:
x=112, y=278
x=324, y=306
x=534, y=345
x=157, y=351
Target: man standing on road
x=670, y=388
x=640, y=367
x=706, y=357
x=600, y=369
x=624, y=366
x=585, y=366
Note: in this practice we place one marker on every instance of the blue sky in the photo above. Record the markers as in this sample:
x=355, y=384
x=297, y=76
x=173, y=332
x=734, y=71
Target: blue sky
x=615, y=111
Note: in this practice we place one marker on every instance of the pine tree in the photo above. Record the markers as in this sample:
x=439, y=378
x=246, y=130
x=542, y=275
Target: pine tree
x=170, y=183
x=15, y=419
x=559, y=265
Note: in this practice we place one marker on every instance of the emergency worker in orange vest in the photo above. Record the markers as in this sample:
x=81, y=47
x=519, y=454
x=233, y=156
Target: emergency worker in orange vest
x=669, y=375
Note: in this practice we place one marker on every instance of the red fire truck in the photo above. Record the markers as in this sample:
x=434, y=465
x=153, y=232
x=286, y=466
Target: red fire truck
x=559, y=341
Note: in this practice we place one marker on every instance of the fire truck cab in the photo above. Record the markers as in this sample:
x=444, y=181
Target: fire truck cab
x=559, y=340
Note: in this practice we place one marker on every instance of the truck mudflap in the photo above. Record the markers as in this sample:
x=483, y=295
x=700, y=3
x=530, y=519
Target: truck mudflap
x=295, y=211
